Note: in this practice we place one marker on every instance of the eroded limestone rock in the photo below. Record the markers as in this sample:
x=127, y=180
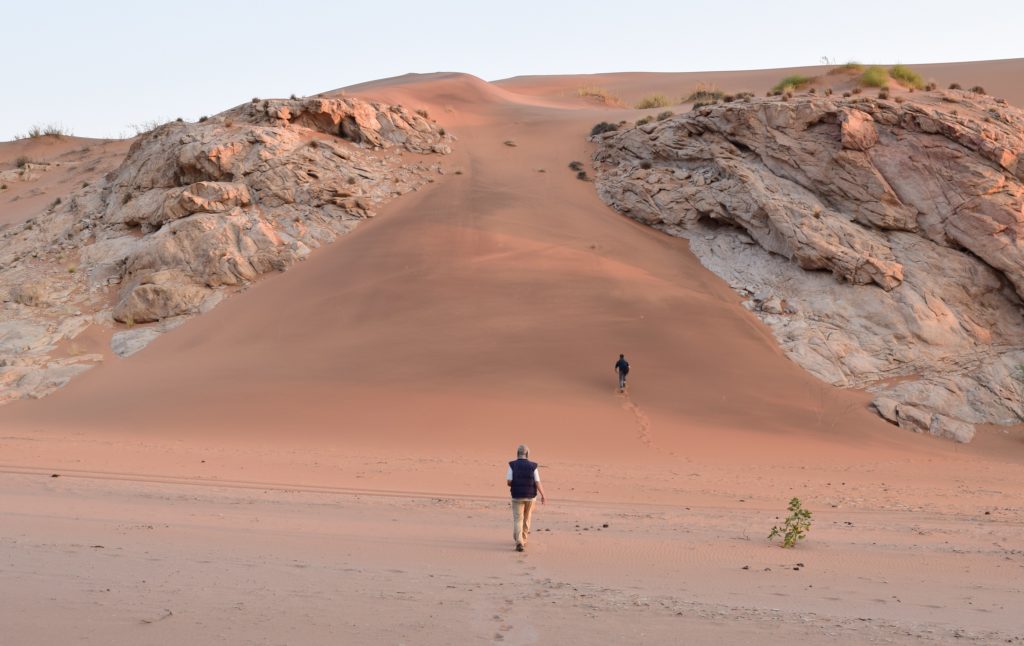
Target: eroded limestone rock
x=915, y=208
x=193, y=210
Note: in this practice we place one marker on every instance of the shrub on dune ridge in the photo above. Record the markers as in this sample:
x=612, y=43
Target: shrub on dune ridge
x=874, y=76
x=907, y=76
x=51, y=130
x=852, y=66
x=653, y=101
x=792, y=82
x=600, y=95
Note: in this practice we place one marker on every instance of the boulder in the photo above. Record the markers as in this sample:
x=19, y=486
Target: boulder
x=159, y=295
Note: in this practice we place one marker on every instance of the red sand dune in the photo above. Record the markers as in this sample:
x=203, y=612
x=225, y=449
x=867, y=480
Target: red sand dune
x=404, y=363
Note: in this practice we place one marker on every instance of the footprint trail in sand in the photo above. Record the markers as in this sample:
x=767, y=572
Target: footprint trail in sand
x=643, y=422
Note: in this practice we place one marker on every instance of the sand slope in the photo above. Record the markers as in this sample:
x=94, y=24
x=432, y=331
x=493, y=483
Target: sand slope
x=485, y=309
x=319, y=458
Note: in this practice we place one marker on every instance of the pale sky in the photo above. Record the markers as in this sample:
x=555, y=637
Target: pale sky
x=98, y=67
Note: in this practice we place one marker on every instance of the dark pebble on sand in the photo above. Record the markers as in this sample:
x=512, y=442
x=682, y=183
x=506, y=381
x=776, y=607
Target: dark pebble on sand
x=606, y=524
x=745, y=567
x=55, y=475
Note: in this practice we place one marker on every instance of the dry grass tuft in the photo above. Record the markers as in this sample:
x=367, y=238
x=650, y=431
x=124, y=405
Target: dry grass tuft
x=653, y=101
x=600, y=95
x=704, y=92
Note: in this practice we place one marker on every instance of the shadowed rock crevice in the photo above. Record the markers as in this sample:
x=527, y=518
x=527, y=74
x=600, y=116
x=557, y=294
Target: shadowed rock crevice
x=915, y=207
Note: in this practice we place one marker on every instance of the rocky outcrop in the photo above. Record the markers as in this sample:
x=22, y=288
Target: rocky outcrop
x=196, y=209
x=914, y=207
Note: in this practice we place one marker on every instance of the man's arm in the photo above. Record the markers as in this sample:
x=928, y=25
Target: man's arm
x=540, y=490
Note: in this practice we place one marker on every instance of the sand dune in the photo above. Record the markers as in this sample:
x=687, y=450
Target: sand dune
x=999, y=78
x=505, y=292
x=58, y=166
x=326, y=447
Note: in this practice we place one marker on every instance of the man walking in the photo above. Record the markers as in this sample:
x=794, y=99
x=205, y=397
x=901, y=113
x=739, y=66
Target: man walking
x=622, y=368
x=523, y=479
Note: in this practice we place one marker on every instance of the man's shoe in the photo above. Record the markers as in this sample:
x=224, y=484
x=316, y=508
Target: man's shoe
x=520, y=547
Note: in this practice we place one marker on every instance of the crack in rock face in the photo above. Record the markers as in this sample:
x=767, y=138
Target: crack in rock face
x=881, y=240
x=193, y=210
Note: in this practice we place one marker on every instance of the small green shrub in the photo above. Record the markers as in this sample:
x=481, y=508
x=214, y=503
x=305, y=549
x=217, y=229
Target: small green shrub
x=977, y=89
x=795, y=527
x=792, y=82
x=955, y=86
x=646, y=120
x=22, y=161
x=653, y=101
x=704, y=92
x=874, y=76
x=930, y=86
x=582, y=176
x=906, y=76
x=423, y=113
x=203, y=118
x=664, y=115
x=576, y=166
x=602, y=127
x=294, y=98
x=883, y=93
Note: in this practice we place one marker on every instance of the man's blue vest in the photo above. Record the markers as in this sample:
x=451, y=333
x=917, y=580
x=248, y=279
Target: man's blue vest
x=523, y=484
